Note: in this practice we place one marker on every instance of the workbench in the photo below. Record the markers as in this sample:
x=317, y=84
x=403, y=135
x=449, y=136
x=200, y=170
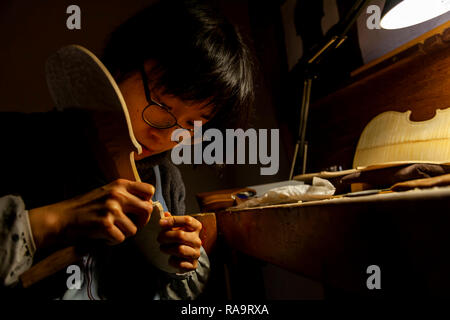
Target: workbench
x=334, y=241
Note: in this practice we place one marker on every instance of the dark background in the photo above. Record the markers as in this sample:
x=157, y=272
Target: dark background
x=31, y=30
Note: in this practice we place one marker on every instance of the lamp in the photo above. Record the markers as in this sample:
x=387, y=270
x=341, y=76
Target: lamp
x=333, y=40
x=405, y=13
x=396, y=14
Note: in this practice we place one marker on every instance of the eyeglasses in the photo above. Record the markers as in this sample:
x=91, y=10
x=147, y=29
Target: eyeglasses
x=156, y=114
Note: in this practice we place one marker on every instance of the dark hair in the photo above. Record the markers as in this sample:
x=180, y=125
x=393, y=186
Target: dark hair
x=199, y=56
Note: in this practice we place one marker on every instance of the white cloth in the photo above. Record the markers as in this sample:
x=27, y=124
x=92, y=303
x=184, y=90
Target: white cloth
x=17, y=246
x=320, y=189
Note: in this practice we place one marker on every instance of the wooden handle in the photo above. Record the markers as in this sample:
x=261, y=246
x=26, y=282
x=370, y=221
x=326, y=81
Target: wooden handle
x=50, y=265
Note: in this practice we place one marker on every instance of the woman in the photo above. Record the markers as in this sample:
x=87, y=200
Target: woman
x=176, y=62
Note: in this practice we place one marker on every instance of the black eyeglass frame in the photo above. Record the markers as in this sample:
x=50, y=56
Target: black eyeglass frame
x=152, y=102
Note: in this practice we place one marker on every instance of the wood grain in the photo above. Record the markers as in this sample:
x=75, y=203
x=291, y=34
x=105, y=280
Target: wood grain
x=208, y=234
x=334, y=241
x=392, y=136
x=50, y=265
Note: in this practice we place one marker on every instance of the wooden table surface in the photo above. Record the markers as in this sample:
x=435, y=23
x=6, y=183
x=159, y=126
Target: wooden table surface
x=334, y=241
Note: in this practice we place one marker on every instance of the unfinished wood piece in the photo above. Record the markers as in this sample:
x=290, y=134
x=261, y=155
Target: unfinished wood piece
x=146, y=238
x=208, y=234
x=146, y=241
x=77, y=79
x=392, y=137
x=50, y=265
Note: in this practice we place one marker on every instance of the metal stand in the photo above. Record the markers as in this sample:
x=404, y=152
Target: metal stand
x=301, y=143
x=335, y=37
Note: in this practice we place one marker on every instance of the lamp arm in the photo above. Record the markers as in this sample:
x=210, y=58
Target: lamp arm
x=337, y=34
x=334, y=38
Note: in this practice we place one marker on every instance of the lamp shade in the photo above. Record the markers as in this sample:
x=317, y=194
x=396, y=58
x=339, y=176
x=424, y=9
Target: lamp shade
x=405, y=13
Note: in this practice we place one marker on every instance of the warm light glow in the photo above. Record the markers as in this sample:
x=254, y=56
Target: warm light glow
x=411, y=12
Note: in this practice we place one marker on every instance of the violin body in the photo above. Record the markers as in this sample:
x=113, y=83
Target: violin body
x=392, y=137
x=81, y=84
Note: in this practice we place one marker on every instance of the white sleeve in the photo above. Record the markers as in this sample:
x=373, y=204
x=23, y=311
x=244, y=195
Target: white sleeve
x=189, y=285
x=17, y=246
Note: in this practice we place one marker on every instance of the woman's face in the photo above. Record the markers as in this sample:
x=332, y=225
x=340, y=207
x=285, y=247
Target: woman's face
x=153, y=140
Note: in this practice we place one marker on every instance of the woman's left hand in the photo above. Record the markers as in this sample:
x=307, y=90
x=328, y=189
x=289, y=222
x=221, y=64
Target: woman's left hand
x=180, y=238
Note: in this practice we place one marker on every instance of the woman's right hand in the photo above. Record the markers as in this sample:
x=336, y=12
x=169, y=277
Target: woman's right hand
x=110, y=213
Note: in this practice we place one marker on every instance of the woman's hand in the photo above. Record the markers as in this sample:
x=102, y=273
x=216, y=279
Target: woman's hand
x=110, y=213
x=180, y=238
